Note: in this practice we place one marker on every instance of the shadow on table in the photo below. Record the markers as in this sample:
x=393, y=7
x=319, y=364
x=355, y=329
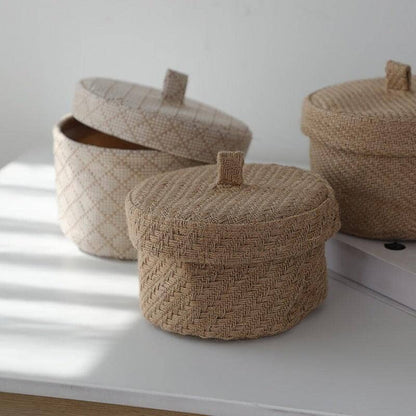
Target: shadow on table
x=34, y=227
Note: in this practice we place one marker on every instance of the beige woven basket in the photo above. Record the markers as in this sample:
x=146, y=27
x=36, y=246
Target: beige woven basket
x=227, y=252
x=363, y=141
x=122, y=133
x=163, y=120
x=94, y=173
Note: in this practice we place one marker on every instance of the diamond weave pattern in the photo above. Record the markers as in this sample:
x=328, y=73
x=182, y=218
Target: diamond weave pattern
x=139, y=114
x=92, y=183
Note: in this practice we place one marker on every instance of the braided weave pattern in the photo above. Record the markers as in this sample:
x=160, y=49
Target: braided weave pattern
x=374, y=201
x=92, y=183
x=363, y=143
x=278, y=212
x=231, y=302
x=222, y=261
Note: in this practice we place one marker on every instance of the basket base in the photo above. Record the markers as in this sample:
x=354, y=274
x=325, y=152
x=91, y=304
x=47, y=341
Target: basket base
x=222, y=302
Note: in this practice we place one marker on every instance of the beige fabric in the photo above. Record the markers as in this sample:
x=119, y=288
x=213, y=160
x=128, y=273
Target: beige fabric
x=363, y=142
x=140, y=115
x=398, y=76
x=376, y=194
x=231, y=261
x=174, y=87
x=92, y=183
x=230, y=168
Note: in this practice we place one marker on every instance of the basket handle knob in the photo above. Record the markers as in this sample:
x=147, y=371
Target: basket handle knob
x=174, y=87
x=230, y=168
x=398, y=76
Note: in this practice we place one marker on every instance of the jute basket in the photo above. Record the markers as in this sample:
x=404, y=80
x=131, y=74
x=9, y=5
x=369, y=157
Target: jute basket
x=121, y=133
x=94, y=173
x=226, y=252
x=363, y=141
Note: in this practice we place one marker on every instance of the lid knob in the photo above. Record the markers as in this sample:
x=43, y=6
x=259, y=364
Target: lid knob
x=230, y=168
x=174, y=86
x=398, y=76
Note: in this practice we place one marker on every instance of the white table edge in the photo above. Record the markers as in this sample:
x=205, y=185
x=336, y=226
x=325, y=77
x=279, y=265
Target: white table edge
x=147, y=399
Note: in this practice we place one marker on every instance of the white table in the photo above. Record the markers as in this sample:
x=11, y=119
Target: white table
x=70, y=327
x=368, y=262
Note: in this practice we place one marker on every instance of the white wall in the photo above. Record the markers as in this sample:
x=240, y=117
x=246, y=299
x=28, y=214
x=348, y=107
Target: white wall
x=254, y=59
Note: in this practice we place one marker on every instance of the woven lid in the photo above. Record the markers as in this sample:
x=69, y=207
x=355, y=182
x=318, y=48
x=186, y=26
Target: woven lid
x=230, y=214
x=159, y=119
x=373, y=116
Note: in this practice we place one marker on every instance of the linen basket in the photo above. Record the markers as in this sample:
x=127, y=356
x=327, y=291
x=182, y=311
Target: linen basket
x=119, y=134
x=230, y=252
x=363, y=141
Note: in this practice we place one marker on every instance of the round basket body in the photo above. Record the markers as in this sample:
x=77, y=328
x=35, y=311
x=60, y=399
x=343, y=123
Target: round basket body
x=231, y=302
x=219, y=258
x=94, y=173
x=363, y=143
x=376, y=194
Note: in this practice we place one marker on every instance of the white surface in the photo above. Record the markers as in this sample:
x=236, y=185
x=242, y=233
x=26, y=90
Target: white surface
x=368, y=262
x=70, y=327
x=255, y=59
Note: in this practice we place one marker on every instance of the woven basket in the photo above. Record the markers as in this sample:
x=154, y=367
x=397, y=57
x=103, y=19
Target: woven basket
x=224, y=258
x=94, y=173
x=363, y=141
x=122, y=133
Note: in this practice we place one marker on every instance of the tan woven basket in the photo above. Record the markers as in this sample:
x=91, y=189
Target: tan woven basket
x=94, y=173
x=227, y=252
x=122, y=133
x=363, y=141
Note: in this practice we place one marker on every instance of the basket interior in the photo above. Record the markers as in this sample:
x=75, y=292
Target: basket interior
x=81, y=133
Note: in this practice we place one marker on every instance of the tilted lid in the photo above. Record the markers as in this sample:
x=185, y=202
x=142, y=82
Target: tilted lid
x=373, y=116
x=231, y=215
x=159, y=119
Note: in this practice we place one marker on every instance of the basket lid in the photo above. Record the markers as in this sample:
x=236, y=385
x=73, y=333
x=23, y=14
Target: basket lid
x=372, y=116
x=159, y=119
x=232, y=215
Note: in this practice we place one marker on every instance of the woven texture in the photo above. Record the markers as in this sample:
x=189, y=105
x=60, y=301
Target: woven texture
x=230, y=170
x=398, y=76
x=159, y=119
x=363, y=142
x=231, y=302
x=231, y=261
x=376, y=194
x=277, y=212
x=92, y=183
x=174, y=87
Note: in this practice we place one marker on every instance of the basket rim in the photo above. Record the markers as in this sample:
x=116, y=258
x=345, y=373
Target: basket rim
x=57, y=131
x=358, y=133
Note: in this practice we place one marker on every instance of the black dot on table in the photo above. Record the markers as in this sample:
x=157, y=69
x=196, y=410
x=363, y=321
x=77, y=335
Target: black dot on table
x=395, y=245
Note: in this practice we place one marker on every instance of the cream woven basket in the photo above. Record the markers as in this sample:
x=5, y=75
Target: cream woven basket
x=363, y=141
x=94, y=173
x=230, y=252
x=121, y=133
